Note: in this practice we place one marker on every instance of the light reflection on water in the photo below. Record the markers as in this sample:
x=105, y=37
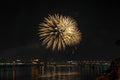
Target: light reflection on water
x=36, y=72
x=39, y=73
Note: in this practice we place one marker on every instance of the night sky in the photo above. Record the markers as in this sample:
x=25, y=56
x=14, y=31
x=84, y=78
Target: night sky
x=96, y=20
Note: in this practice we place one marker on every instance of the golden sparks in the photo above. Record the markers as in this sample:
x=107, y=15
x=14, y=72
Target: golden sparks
x=58, y=31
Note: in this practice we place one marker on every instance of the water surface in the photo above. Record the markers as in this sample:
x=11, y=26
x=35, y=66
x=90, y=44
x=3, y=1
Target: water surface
x=36, y=72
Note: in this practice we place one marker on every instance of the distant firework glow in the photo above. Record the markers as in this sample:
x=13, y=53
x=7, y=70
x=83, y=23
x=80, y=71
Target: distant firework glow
x=58, y=31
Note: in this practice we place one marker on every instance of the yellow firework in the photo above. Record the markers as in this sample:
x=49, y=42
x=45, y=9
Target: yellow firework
x=58, y=31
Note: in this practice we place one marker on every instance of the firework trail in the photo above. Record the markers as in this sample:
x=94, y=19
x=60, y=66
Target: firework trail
x=58, y=31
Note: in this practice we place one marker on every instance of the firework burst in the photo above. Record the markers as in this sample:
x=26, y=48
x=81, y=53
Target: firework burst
x=58, y=31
